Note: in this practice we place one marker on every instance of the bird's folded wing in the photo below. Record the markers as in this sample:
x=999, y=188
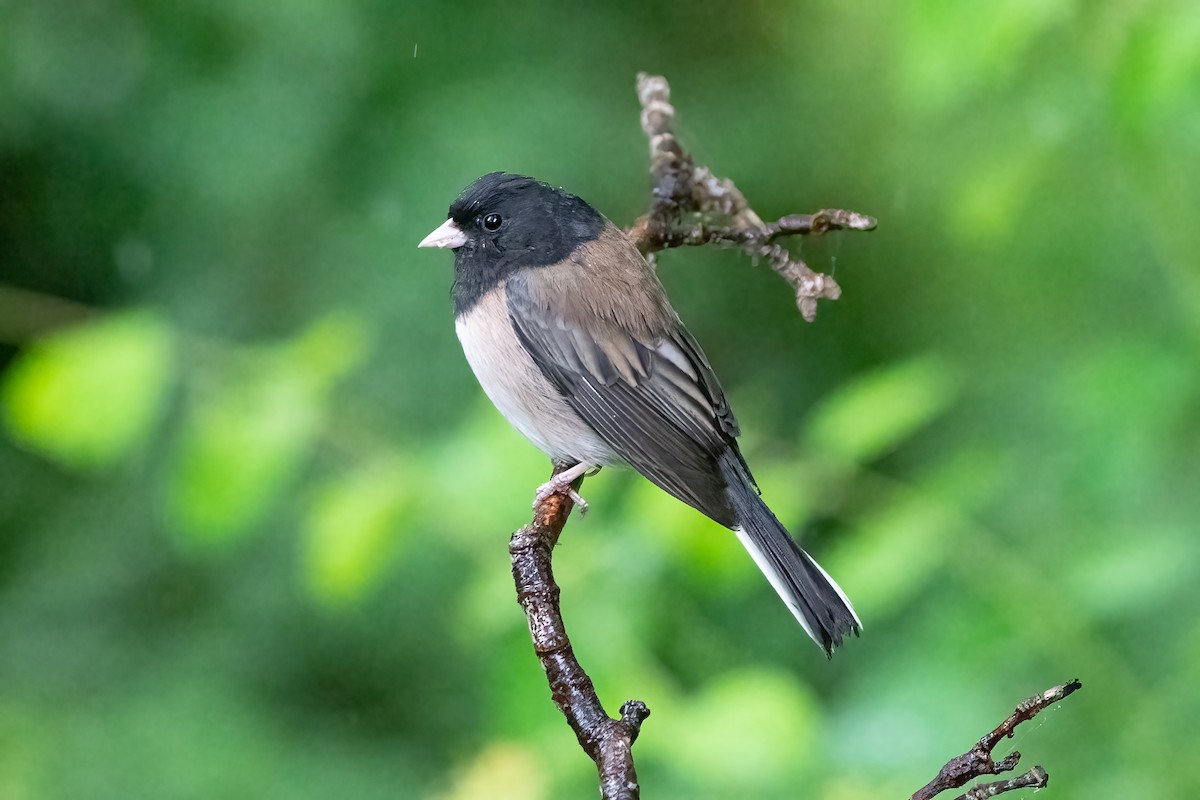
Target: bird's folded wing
x=645, y=387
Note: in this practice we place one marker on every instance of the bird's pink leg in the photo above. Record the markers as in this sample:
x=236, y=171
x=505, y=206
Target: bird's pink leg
x=561, y=484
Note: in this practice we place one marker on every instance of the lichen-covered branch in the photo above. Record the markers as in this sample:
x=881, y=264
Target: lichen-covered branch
x=977, y=761
x=608, y=741
x=691, y=206
x=1036, y=778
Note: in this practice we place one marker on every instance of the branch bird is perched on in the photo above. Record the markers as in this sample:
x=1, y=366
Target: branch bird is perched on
x=572, y=337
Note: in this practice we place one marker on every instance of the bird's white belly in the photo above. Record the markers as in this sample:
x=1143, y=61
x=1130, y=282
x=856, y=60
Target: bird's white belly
x=517, y=387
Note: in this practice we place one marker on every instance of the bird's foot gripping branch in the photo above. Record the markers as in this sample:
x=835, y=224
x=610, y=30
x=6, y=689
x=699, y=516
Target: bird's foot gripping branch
x=561, y=483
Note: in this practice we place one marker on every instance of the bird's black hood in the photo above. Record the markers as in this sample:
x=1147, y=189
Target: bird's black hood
x=539, y=225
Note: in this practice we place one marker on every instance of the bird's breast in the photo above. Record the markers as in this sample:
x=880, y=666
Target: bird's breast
x=519, y=390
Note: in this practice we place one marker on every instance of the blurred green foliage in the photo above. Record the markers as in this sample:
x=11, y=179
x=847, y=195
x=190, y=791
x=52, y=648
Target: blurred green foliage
x=253, y=508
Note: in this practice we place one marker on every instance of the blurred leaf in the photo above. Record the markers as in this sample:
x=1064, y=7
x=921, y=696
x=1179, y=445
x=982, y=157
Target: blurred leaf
x=249, y=432
x=994, y=193
x=351, y=529
x=870, y=416
x=88, y=395
x=673, y=536
x=1126, y=409
x=18, y=752
x=331, y=348
x=1132, y=577
x=940, y=65
x=492, y=469
x=1156, y=68
x=503, y=771
x=892, y=554
x=242, y=443
x=767, y=723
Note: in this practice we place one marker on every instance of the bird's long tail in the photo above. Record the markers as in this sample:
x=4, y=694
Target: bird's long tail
x=812, y=596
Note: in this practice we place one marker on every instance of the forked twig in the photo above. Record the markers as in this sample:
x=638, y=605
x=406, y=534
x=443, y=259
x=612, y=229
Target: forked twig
x=978, y=761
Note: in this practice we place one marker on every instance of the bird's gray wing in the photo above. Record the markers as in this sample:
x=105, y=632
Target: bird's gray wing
x=645, y=387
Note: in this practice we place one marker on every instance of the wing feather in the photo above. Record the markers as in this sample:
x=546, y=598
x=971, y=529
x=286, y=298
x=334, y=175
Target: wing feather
x=650, y=394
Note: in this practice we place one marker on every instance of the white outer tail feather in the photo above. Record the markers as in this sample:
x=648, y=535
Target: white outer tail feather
x=780, y=586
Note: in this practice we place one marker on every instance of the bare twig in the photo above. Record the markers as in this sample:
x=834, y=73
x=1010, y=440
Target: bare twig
x=691, y=206
x=608, y=741
x=1036, y=778
x=978, y=762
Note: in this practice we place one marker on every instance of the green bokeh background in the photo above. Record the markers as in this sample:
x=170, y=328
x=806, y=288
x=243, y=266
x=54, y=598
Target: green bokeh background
x=254, y=509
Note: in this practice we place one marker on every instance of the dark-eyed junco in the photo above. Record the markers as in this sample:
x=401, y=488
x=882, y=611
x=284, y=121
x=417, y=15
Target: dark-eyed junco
x=572, y=337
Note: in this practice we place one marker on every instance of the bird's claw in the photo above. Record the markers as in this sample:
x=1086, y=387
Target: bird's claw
x=557, y=485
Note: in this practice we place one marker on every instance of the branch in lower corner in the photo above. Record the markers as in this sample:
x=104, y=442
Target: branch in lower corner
x=977, y=761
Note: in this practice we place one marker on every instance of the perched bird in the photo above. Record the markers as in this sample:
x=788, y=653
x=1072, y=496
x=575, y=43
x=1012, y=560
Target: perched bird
x=571, y=335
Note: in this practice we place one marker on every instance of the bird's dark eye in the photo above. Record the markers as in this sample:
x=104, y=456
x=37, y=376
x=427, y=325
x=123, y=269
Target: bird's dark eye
x=492, y=222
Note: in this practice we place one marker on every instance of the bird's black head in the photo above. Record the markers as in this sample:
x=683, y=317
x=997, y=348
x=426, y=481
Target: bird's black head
x=503, y=223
